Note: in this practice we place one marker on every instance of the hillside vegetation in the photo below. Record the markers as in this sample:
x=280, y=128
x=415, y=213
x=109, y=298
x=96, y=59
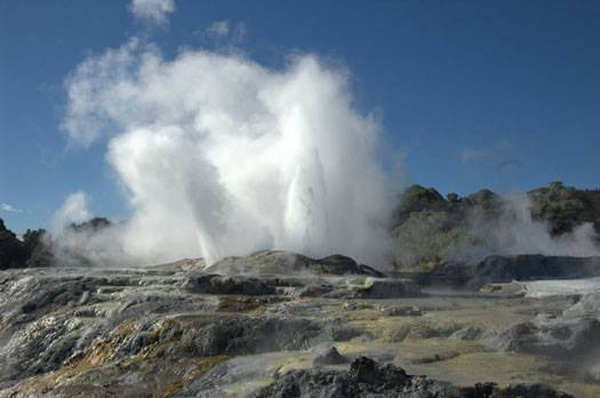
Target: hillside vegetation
x=428, y=228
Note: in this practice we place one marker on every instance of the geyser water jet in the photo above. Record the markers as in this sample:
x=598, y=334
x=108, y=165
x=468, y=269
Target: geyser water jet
x=222, y=156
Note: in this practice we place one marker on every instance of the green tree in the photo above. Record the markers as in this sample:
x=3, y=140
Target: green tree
x=12, y=251
x=562, y=207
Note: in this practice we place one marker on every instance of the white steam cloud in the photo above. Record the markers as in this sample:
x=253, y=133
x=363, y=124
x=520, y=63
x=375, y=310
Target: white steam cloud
x=222, y=156
x=516, y=232
x=152, y=10
x=75, y=242
x=73, y=210
x=503, y=227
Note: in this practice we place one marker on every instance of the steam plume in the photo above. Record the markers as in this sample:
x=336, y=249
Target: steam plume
x=515, y=232
x=73, y=210
x=222, y=156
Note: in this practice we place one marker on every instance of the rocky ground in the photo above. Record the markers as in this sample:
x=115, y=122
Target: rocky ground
x=284, y=325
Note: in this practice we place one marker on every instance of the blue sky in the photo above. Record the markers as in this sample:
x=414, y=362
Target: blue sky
x=472, y=94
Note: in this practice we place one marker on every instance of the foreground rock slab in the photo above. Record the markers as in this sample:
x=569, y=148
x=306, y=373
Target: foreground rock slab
x=179, y=330
x=367, y=378
x=270, y=262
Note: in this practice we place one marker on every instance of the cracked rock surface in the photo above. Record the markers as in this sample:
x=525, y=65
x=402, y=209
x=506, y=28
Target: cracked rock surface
x=296, y=325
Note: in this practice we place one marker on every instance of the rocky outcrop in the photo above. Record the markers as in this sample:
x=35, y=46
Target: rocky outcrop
x=289, y=274
x=572, y=336
x=505, y=269
x=556, y=337
x=573, y=332
x=533, y=267
x=89, y=327
x=303, y=286
x=276, y=262
x=367, y=378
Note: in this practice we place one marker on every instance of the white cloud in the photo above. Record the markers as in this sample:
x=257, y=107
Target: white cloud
x=90, y=89
x=227, y=29
x=9, y=208
x=219, y=28
x=223, y=156
x=152, y=10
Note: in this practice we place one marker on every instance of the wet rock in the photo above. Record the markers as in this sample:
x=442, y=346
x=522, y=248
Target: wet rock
x=44, y=295
x=41, y=347
x=330, y=357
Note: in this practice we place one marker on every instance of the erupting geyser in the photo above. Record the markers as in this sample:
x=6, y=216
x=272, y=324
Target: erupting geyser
x=222, y=156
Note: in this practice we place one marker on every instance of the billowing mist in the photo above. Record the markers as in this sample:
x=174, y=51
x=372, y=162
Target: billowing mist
x=222, y=156
x=219, y=155
x=472, y=228
x=516, y=232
